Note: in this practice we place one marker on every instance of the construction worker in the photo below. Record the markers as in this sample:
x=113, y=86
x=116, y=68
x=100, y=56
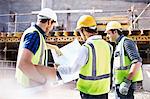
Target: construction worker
x=32, y=55
x=127, y=62
x=93, y=62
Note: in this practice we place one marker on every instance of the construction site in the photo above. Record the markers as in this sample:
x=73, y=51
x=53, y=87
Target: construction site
x=18, y=15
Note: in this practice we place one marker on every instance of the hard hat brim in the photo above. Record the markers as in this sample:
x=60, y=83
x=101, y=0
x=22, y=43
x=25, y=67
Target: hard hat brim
x=77, y=28
x=56, y=24
x=106, y=31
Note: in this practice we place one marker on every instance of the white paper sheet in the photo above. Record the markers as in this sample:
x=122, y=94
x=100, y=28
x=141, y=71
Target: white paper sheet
x=70, y=52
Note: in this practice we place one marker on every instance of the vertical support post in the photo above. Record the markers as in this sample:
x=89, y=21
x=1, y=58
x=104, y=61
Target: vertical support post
x=15, y=30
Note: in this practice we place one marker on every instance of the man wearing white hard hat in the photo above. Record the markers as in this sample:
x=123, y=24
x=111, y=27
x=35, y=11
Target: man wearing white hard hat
x=32, y=61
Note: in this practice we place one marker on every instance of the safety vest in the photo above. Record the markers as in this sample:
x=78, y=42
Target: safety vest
x=40, y=57
x=122, y=64
x=94, y=77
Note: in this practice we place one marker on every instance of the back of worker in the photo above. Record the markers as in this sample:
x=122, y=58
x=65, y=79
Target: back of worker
x=93, y=62
x=95, y=75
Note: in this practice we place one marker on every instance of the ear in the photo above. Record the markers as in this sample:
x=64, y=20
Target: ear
x=48, y=22
x=114, y=32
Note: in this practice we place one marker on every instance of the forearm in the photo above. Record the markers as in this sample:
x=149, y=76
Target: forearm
x=48, y=72
x=56, y=48
x=50, y=46
x=32, y=73
x=133, y=70
x=132, y=51
x=69, y=69
x=125, y=85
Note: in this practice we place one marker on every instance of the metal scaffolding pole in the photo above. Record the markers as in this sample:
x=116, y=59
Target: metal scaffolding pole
x=141, y=13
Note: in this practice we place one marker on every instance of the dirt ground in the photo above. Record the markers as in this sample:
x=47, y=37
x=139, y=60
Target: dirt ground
x=9, y=89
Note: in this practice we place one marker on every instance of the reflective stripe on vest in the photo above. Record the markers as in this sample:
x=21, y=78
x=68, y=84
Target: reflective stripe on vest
x=42, y=52
x=94, y=77
x=43, y=56
x=122, y=64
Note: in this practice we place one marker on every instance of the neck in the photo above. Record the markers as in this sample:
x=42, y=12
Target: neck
x=42, y=26
x=90, y=34
x=117, y=36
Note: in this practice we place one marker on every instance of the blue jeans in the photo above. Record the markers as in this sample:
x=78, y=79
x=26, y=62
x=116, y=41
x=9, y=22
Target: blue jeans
x=130, y=94
x=87, y=96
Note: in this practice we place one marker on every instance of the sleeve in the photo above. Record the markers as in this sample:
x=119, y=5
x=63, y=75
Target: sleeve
x=132, y=51
x=31, y=42
x=111, y=50
x=80, y=61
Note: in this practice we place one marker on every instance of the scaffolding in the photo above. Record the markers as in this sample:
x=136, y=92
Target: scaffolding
x=61, y=36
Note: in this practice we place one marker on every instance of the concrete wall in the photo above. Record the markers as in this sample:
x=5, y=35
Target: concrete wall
x=22, y=7
x=146, y=77
x=110, y=8
x=4, y=7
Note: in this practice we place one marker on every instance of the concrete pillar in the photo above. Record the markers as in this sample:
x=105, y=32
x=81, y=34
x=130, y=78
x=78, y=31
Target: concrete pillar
x=146, y=77
x=46, y=4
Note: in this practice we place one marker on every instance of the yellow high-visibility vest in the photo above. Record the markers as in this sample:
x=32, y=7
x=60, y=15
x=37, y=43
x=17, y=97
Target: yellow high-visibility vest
x=122, y=65
x=94, y=77
x=40, y=57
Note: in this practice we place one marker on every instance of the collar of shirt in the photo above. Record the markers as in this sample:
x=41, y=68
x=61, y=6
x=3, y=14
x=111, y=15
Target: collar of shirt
x=95, y=37
x=40, y=30
x=119, y=38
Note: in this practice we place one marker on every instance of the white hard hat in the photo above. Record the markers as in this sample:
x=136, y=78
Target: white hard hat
x=113, y=25
x=47, y=13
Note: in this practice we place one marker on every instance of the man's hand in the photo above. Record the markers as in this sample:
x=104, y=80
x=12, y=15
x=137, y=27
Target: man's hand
x=58, y=51
x=124, y=87
x=56, y=65
x=56, y=48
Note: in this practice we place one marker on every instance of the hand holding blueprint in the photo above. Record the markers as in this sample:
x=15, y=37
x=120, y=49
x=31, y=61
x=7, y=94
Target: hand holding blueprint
x=70, y=52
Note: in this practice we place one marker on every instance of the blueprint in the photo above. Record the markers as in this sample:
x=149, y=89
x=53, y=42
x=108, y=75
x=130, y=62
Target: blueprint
x=70, y=52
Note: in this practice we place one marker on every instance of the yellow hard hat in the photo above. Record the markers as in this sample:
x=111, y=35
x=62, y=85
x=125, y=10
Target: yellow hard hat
x=86, y=21
x=113, y=25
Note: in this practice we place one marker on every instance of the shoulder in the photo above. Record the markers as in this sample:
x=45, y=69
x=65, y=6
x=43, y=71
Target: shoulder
x=130, y=45
x=84, y=47
x=32, y=35
x=129, y=42
x=31, y=41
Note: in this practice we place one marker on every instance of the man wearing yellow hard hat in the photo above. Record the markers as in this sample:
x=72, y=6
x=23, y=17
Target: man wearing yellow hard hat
x=93, y=61
x=127, y=62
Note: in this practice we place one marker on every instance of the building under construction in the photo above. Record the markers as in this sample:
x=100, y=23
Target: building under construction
x=17, y=15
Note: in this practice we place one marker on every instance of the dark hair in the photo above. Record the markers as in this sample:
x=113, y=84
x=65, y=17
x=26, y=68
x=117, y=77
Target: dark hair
x=119, y=31
x=88, y=29
x=44, y=20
